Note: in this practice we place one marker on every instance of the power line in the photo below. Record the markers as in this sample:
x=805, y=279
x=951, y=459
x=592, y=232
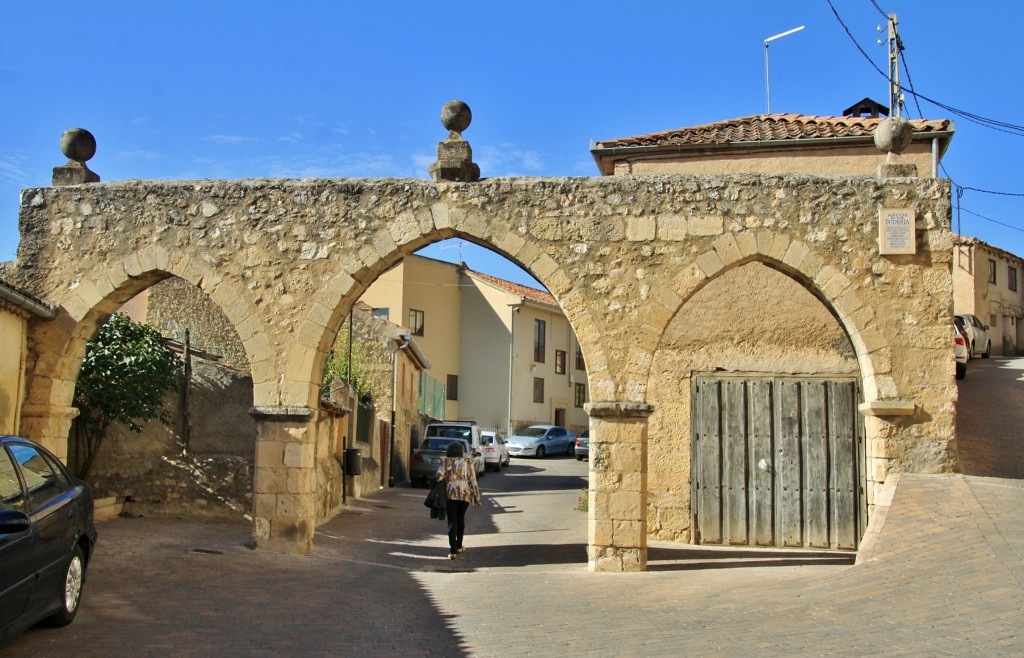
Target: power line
x=995, y=124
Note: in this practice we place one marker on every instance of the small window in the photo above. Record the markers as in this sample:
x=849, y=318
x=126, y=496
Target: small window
x=383, y=313
x=991, y=271
x=416, y=322
x=1011, y=278
x=539, y=340
x=538, y=389
x=453, y=387
x=44, y=480
x=559, y=362
x=581, y=395
x=580, y=365
x=992, y=321
x=11, y=496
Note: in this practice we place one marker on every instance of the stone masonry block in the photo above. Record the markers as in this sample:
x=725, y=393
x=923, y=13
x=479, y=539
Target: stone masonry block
x=544, y=267
x=780, y=245
x=629, y=534
x=270, y=480
x=299, y=455
x=270, y=453
x=266, y=393
x=672, y=228
x=264, y=505
x=710, y=263
x=299, y=361
x=764, y=242
x=746, y=242
x=727, y=248
x=295, y=506
x=75, y=306
x=640, y=229
x=300, y=480
x=439, y=212
x=706, y=225
x=795, y=255
x=261, y=526
x=600, y=532
x=132, y=266
x=625, y=506
x=811, y=265
x=383, y=243
x=511, y=243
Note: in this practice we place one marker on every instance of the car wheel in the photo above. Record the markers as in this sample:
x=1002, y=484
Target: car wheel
x=497, y=467
x=540, y=451
x=71, y=595
x=988, y=350
x=579, y=458
x=961, y=370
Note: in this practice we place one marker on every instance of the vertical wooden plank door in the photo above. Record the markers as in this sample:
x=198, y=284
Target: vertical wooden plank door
x=777, y=461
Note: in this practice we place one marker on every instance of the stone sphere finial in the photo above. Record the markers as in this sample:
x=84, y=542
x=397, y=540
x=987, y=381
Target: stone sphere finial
x=893, y=135
x=78, y=144
x=456, y=116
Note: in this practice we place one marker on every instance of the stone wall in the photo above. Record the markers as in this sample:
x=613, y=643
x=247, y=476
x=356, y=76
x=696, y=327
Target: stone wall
x=624, y=256
x=175, y=306
x=149, y=470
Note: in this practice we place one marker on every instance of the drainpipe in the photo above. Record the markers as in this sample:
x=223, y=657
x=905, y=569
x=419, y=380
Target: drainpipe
x=935, y=157
x=511, y=364
x=394, y=402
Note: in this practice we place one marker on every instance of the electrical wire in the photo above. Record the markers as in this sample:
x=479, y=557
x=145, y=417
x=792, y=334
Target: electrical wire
x=994, y=124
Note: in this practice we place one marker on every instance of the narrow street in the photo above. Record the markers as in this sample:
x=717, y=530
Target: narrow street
x=948, y=562
x=990, y=418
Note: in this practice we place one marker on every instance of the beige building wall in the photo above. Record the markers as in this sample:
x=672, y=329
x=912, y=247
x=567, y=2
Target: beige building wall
x=824, y=160
x=987, y=283
x=486, y=342
x=13, y=328
x=432, y=287
x=559, y=388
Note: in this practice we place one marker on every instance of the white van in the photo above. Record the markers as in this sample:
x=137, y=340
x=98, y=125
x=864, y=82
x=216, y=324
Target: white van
x=461, y=429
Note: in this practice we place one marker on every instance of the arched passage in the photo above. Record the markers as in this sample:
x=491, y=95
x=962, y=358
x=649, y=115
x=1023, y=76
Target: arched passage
x=287, y=259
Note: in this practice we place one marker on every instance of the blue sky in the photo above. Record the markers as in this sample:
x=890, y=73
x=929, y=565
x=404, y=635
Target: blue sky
x=229, y=89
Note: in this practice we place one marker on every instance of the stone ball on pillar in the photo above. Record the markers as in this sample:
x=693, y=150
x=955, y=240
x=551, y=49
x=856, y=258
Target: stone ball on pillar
x=78, y=144
x=893, y=135
x=456, y=116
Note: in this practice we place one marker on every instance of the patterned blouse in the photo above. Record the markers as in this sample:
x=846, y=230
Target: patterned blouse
x=461, y=478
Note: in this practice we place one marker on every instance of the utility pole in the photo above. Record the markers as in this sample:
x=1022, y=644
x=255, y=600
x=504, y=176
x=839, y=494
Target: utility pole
x=895, y=47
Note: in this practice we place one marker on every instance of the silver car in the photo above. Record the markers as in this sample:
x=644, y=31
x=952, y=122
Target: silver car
x=980, y=342
x=541, y=440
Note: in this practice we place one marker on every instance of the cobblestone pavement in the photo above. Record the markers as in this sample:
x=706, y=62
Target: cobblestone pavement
x=943, y=575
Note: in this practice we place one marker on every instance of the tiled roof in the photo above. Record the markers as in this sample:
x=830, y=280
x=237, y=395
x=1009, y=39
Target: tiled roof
x=526, y=292
x=769, y=127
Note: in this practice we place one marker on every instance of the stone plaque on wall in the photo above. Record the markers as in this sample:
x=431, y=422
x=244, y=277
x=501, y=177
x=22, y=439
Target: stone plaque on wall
x=896, y=231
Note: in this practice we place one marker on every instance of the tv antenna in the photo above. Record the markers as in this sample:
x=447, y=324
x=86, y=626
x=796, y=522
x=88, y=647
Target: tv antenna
x=767, y=82
x=458, y=245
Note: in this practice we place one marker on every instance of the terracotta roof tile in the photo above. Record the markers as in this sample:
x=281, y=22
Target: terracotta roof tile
x=527, y=292
x=769, y=127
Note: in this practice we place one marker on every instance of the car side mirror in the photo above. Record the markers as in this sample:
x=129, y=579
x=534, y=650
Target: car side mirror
x=13, y=521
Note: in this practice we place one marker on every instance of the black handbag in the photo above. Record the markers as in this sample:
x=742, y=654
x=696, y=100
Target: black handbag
x=437, y=500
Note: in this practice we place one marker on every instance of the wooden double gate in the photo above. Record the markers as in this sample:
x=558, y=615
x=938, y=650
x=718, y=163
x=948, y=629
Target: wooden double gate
x=777, y=461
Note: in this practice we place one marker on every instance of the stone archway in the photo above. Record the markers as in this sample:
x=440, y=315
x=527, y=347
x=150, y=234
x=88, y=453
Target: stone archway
x=286, y=259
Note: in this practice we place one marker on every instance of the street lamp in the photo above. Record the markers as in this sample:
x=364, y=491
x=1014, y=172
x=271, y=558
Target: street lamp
x=767, y=83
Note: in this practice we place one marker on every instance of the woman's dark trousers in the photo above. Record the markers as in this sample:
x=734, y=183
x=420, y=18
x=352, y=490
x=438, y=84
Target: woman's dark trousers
x=456, y=523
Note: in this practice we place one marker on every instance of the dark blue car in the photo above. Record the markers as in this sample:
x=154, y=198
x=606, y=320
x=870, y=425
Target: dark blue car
x=46, y=538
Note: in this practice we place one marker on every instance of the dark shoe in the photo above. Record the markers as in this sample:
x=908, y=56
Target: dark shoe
x=451, y=556
x=460, y=550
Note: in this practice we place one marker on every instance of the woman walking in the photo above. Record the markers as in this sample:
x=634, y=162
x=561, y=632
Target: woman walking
x=457, y=471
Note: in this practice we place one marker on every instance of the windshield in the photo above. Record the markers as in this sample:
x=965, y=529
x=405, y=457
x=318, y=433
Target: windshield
x=531, y=432
x=440, y=444
x=449, y=432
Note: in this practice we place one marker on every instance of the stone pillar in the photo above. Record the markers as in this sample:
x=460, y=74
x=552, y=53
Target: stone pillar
x=617, y=503
x=284, y=510
x=78, y=145
x=49, y=425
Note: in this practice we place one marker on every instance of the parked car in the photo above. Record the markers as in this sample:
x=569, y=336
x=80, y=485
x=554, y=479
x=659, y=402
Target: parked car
x=494, y=449
x=541, y=440
x=960, y=349
x=978, y=339
x=47, y=537
x=427, y=458
x=583, y=446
